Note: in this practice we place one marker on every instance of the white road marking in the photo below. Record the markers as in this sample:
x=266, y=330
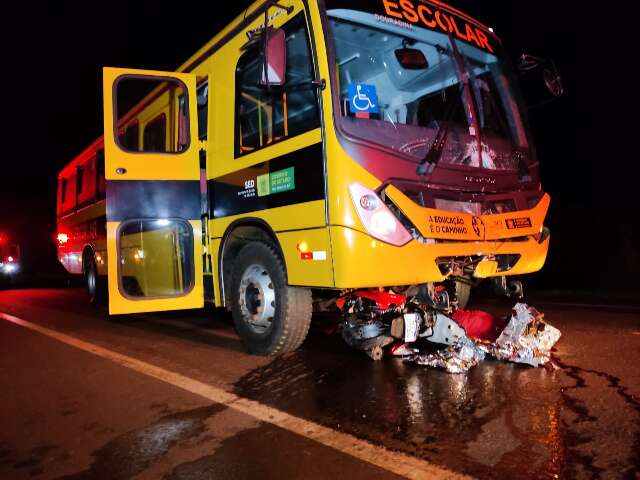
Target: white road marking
x=394, y=462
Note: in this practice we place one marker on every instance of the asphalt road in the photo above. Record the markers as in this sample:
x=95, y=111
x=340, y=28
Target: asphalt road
x=175, y=396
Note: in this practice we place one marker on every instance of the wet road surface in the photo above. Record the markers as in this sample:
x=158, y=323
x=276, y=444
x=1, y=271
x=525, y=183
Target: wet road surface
x=66, y=413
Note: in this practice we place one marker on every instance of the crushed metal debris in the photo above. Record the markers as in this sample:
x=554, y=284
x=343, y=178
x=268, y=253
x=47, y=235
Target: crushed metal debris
x=378, y=322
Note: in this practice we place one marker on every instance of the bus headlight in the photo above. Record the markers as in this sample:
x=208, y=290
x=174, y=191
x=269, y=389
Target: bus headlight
x=383, y=223
x=376, y=217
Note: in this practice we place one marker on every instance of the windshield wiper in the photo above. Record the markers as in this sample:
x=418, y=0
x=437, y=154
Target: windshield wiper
x=433, y=156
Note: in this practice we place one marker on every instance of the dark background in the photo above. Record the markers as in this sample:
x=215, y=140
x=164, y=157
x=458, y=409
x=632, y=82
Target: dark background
x=586, y=140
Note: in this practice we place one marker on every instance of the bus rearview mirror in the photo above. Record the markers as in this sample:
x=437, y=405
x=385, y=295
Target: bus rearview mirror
x=550, y=75
x=275, y=59
x=553, y=81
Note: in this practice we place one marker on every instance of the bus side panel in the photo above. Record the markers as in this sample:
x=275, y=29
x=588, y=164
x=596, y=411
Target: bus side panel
x=308, y=257
x=297, y=215
x=215, y=268
x=296, y=229
x=84, y=228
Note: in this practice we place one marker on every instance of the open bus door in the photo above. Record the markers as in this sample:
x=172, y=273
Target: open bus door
x=154, y=226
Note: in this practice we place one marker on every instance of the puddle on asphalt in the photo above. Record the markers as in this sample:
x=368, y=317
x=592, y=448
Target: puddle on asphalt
x=133, y=452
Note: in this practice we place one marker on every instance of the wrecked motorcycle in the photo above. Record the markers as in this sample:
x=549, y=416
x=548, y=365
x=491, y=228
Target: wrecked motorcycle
x=376, y=321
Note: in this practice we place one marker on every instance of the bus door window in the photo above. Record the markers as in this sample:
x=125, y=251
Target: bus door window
x=264, y=117
x=156, y=258
x=161, y=128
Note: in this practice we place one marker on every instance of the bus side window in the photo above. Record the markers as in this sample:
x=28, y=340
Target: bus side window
x=203, y=110
x=80, y=180
x=68, y=195
x=62, y=194
x=101, y=186
x=262, y=117
x=155, y=134
x=63, y=188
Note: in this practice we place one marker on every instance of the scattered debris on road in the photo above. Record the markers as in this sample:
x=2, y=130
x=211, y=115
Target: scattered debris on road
x=377, y=320
x=458, y=358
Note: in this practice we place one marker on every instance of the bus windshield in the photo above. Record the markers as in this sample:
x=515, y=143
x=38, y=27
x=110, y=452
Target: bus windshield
x=410, y=110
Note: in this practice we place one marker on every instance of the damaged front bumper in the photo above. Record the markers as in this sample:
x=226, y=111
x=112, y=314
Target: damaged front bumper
x=444, y=244
x=379, y=263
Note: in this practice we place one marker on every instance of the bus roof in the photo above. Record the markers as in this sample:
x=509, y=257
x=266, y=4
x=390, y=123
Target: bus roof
x=257, y=8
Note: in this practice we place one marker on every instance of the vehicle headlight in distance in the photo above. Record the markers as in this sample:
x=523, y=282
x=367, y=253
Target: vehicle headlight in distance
x=376, y=217
x=10, y=268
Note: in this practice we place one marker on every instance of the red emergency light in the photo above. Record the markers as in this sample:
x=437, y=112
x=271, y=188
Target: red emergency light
x=62, y=238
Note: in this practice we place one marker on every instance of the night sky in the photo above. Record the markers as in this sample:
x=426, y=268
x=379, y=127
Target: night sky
x=586, y=140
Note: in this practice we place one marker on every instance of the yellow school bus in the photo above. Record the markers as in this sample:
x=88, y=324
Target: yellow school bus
x=310, y=148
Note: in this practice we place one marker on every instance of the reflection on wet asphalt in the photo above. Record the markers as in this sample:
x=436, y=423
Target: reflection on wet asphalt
x=499, y=420
x=133, y=452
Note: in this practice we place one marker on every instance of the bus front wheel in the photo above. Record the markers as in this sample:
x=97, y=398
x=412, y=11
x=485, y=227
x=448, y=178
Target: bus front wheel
x=271, y=317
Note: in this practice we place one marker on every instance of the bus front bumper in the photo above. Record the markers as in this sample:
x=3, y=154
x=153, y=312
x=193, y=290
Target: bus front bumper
x=363, y=262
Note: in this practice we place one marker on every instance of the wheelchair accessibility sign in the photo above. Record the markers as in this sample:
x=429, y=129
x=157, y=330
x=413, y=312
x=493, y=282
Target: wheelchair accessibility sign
x=363, y=98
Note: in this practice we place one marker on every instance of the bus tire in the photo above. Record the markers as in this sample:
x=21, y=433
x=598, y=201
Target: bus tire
x=94, y=284
x=271, y=317
x=463, y=293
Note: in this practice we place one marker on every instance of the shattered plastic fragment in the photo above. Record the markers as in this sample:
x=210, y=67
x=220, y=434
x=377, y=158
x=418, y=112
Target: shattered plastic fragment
x=402, y=350
x=412, y=322
x=457, y=358
x=383, y=300
x=445, y=331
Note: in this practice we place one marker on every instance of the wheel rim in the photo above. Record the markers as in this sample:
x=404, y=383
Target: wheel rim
x=257, y=299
